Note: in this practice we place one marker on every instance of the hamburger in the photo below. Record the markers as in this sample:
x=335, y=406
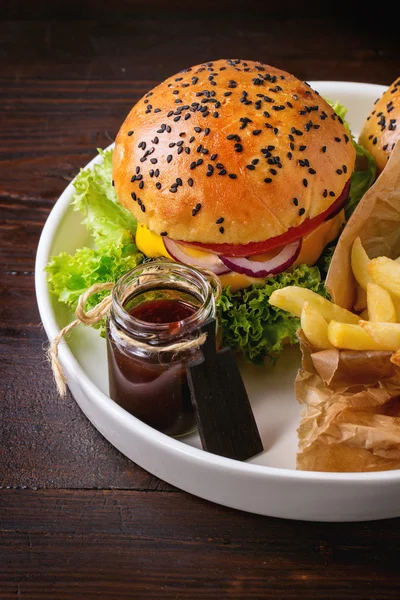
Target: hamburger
x=234, y=166
x=381, y=129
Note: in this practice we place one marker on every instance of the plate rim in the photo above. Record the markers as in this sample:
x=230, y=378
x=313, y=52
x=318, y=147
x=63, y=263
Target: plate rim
x=138, y=428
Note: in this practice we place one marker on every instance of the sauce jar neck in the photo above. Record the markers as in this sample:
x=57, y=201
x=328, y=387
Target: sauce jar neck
x=157, y=281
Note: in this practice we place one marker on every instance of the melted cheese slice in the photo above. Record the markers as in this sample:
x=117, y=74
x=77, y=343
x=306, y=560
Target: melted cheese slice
x=152, y=245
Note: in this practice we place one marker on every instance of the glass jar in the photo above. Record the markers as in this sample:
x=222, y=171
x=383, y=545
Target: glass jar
x=158, y=303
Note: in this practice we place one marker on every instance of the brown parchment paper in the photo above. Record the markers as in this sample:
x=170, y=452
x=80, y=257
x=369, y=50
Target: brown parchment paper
x=351, y=414
x=376, y=221
x=351, y=400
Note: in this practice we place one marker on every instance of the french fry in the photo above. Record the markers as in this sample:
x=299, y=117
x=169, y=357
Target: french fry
x=361, y=299
x=292, y=299
x=359, y=264
x=386, y=272
x=315, y=327
x=387, y=335
x=351, y=337
x=380, y=305
x=396, y=304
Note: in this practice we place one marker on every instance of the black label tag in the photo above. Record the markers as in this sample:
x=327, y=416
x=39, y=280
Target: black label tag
x=224, y=415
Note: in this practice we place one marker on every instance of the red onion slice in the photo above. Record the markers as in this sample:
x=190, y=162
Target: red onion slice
x=209, y=261
x=273, y=266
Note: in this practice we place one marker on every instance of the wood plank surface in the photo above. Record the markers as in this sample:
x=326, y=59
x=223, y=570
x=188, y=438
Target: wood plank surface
x=116, y=544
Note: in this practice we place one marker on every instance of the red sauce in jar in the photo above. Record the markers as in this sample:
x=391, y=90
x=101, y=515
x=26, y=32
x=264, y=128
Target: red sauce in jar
x=154, y=390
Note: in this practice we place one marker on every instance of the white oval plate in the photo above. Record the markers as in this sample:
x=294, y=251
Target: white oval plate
x=268, y=484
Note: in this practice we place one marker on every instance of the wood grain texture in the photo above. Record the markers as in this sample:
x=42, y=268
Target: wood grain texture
x=117, y=545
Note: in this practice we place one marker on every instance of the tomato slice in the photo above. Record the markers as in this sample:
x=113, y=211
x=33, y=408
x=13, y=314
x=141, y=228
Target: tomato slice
x=292, y=234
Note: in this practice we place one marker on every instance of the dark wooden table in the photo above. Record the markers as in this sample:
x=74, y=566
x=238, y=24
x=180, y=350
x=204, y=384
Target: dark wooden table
x=78, y=519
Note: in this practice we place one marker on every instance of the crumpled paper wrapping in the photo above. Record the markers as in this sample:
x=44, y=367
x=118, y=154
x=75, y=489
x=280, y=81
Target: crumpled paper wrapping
x=351, y=417
x=351, y=399
x=376, y=220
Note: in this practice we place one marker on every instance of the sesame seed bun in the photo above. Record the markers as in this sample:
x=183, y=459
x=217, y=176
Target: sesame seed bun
x=381, y=129
x=233, y=142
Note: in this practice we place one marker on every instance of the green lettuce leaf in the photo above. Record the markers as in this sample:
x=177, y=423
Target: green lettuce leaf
x=365, y=168
x=362, y=178
x=112, y=228
x=250, y=324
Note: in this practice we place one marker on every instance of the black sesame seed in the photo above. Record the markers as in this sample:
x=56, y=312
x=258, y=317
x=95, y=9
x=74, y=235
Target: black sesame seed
x=375, y=140
x=220, y=220
x=312, y=171
x=171, y=145
x=289, y=155
x=291, y=145
x=332, y=194
x=206, y=131
x=133, y=195
x=295, y=201
x=323, y=148
x=173, y=190
x=257, y=132
x=143, y=208
x=130, y=132
x=222, y=172
x=169, y=158
x=213, y=156
x=199, y=162
x=158, y=185
x=187, y=150
x=238, y=147
x=232, y=175
x=187, y=116
x=302, y=211
x=221, y=230
x=268, y=180
x=250, y=167
x=133, y=178
x=157, y=172
x=163, y=233
x=301, y=148
x=339, y=171
x=198, y=129
x=273, y=171
x=305, y=182
x=227, y=93
x=337, y=139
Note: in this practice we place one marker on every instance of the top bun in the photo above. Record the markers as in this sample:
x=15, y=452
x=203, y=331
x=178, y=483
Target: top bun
x=230, y=151
x=381, y=131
